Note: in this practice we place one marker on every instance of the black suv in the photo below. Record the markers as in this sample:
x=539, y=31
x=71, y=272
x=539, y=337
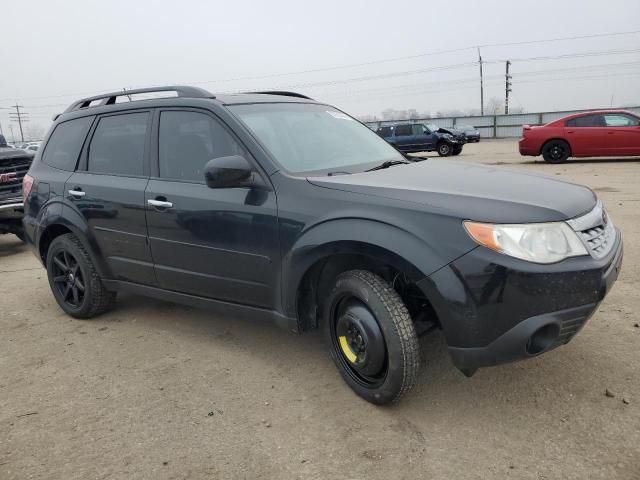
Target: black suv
x=274, y=206
x=14, y=164
x=419, y=137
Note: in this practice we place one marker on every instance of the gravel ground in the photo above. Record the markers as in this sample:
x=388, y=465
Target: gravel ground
x=156, y=390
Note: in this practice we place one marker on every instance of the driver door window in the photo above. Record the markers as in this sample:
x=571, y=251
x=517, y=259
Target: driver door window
x=187, y=141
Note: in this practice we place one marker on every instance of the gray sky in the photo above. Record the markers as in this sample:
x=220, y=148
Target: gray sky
x=55, y=52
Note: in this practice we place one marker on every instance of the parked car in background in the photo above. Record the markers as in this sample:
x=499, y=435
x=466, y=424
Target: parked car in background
x=14, y=164
x=604, y=133
x=471, y=133
x=278, y=207
x=420, y=137
x=33, y=147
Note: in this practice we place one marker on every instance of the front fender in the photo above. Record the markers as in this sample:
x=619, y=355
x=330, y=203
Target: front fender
x=388, y=243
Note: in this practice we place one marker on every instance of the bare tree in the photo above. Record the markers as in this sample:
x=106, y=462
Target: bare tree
x=494, y=106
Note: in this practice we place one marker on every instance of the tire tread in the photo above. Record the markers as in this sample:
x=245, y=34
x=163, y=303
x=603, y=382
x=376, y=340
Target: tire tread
x=403, y=325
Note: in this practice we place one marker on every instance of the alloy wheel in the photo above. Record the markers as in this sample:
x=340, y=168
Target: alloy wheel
x=68, y=279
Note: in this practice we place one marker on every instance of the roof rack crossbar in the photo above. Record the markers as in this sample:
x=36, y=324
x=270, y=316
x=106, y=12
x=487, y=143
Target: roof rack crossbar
x=283, y=93
x=110, y=98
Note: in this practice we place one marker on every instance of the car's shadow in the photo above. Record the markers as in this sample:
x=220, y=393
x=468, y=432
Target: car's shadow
x=11, y=245
x=585, y=161
x=306, y=359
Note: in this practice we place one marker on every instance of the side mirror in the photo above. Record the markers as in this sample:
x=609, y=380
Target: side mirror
x=228, y=172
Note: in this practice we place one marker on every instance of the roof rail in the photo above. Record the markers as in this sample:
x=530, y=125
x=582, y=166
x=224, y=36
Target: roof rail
x=110, y=98
x=283, y=93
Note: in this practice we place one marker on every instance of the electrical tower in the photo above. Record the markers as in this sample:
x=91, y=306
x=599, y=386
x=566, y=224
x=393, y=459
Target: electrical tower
x=507, y=87
x=19, y=117
x=481, y=84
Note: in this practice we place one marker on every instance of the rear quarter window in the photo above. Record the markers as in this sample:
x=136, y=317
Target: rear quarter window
x=64, y=145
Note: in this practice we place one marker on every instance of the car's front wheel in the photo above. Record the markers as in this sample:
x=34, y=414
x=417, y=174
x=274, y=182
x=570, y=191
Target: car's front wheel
x=556, y=151
x=371, y=337
x=456, y=151
x=444, y=149
x=74, y=280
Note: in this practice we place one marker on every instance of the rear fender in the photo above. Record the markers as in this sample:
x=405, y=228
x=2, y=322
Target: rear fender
x=52, y=215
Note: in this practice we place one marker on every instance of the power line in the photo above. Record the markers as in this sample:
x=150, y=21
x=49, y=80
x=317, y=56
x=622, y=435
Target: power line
x=372, y=62
x=19, y=117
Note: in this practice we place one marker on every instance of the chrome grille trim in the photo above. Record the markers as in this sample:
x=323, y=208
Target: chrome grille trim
x=595, y=230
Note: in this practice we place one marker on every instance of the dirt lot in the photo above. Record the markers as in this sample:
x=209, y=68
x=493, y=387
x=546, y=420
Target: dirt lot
x=156, y=390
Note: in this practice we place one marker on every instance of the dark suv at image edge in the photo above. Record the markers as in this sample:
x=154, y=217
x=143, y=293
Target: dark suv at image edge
x=275, y=206
x=14, y=163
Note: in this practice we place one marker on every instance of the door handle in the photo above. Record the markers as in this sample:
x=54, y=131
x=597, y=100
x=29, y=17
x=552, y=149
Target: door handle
x=610, y=133
x=570, y=131
x=77, y=193
x=159, y=203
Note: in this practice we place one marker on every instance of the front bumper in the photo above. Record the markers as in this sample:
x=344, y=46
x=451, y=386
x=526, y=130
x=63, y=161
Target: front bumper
x=496, y=309
x=12, y=208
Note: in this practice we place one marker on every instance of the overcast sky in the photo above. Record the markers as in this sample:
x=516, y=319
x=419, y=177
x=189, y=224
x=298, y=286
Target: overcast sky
x=55, y=52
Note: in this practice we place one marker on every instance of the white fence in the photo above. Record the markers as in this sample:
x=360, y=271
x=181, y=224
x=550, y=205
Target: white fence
x=494, y=126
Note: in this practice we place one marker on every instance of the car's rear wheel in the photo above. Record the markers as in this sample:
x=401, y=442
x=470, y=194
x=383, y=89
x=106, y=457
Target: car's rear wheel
x=74, y=280
x=371, y=337
x=556, y=151
x=444, y=149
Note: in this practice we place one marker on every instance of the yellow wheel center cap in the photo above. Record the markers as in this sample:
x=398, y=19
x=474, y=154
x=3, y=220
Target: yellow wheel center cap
x=346, y=349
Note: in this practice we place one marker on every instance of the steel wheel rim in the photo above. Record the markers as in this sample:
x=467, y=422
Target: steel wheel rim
x=444, y=149
x=365, y=358
x=557, y=151
x=68, y=279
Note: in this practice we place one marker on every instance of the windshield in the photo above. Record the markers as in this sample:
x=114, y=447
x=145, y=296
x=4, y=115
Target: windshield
x=307, y=137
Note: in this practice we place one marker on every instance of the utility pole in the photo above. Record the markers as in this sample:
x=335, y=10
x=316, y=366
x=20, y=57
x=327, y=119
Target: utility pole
x=481, y=84
x=507, y=87
x=19, y=117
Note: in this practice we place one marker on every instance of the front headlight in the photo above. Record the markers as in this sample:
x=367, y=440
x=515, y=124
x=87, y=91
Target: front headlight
x=534, y=242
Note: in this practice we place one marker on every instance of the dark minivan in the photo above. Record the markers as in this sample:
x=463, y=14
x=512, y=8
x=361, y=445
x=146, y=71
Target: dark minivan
x=275, y=206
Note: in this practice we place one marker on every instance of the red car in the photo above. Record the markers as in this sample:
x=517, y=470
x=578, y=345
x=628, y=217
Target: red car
x=601, y=133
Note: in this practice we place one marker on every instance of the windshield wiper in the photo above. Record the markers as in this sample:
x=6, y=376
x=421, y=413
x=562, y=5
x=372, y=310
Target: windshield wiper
x=387, y=164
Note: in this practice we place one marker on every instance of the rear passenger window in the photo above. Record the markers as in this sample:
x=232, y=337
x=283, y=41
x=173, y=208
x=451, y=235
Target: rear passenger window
x=188, y=140
x=403, y=130
x=117, y=146
x=64, y=145
x=586, y=121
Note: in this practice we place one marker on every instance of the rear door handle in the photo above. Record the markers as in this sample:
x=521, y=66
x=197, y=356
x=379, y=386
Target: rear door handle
x=610, y=133
x=570, y=131
x=159, y=203
x=77, y=193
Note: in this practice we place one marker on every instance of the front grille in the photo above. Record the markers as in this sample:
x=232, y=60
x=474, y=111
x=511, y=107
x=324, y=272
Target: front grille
x=599, y=239
x=13, y=187
x=596, y=231
x=568, y=328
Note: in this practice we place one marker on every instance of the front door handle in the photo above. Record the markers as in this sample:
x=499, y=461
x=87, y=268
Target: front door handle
x=159, y=203
x=77, y=193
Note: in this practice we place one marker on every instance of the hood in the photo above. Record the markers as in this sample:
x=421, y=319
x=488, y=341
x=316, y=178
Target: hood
x=469, y=191
x=452, y=131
